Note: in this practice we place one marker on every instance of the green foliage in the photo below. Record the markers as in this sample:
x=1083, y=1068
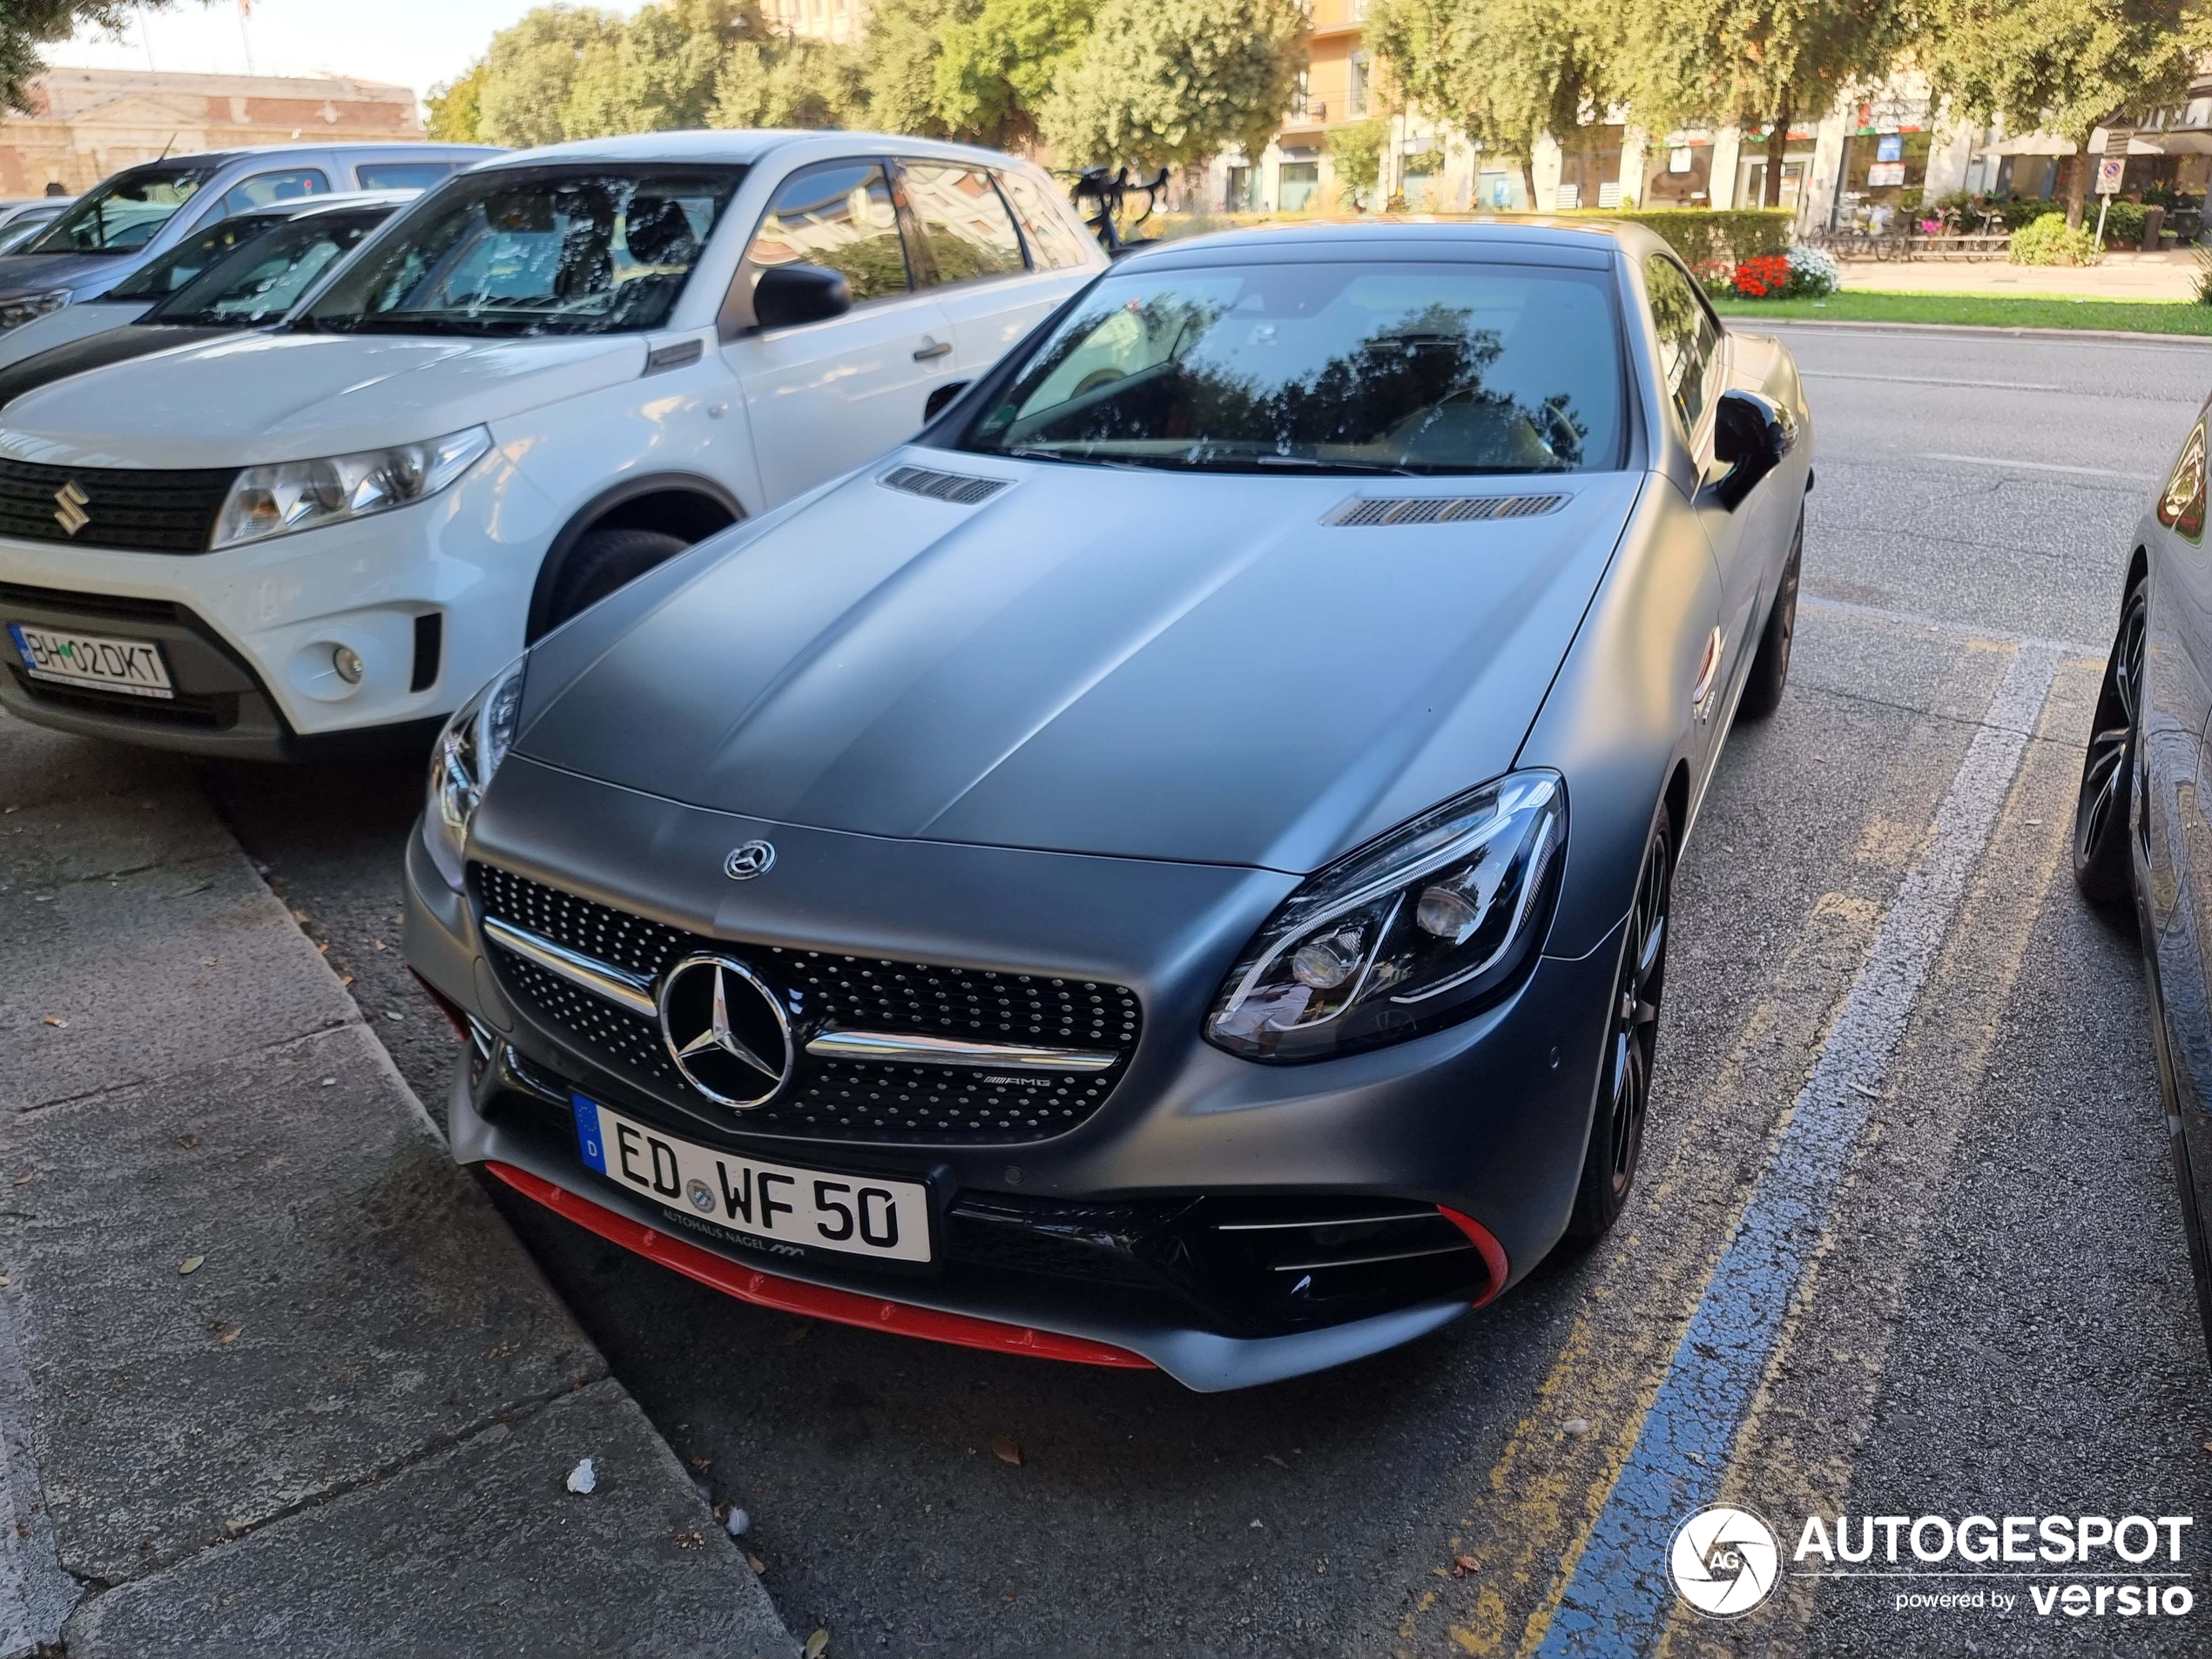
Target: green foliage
x=1172, y=82
x=1692, y=63
x=1505, y=73
x=2123, y=224
x=658, y=72
x=531, y=68
x=790, y=82
x=997, y=69
x=456, y=107
x=905, y=40
x=1708, y=236
x=1356, y=152
x=2063, y=65
x=2051, y=240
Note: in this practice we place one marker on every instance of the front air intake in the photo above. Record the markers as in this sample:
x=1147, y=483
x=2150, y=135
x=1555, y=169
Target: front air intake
x=1362, y=510
x=959, y=488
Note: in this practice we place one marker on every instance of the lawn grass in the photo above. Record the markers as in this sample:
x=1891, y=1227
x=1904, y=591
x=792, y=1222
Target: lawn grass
x=1984, y=311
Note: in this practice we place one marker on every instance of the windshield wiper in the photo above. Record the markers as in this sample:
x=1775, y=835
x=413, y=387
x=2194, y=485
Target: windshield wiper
x=1121, y=461
x=1315, y=463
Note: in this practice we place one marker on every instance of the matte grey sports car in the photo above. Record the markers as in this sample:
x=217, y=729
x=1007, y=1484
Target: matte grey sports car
x=1172, y=866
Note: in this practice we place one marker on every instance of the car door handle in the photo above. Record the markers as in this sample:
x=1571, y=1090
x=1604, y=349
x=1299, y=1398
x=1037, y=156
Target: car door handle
x=935, y=348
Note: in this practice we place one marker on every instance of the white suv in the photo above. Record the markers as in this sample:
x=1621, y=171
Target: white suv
x=541, y=379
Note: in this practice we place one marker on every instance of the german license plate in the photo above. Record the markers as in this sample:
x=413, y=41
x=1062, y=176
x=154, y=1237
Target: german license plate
x=774, y=1203
x=132, y=666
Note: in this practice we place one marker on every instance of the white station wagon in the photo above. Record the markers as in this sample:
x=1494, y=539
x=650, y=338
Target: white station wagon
x=541, y=379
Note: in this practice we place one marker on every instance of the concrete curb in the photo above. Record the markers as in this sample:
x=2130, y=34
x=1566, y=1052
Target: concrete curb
x=1968, y=328
x=274, y=1376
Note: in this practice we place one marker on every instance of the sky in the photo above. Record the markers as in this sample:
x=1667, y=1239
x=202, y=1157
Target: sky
x=410, y=43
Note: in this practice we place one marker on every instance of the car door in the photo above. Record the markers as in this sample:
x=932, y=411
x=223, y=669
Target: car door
x=822, y=397
x=1691, y=366
x=972, y=257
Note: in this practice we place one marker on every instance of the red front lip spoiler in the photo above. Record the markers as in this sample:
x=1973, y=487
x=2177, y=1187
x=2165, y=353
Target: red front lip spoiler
x=816, y=1301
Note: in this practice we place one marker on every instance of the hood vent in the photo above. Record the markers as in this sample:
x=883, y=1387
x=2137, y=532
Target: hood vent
x=961, y=490
x=1441, y=510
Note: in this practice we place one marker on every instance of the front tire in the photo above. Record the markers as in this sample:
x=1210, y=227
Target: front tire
x=602, y=560
x=1770, y=668
x=2103, y=868
x=1624, y=1087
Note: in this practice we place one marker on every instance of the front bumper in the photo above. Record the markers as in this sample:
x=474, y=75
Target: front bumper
x=1487, y=1118
x=432, y=597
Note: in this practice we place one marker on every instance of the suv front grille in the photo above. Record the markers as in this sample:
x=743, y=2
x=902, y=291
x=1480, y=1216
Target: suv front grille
x=830, y=1099
x=153, y=511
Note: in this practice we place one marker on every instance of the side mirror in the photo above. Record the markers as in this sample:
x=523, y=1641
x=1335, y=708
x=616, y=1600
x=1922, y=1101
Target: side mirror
x=1750, y=435
x=787, y=294
x=939, y=398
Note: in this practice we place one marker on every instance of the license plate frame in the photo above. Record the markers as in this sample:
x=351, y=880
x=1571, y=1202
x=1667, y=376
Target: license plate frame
x=836, y=1212
x=128, y=667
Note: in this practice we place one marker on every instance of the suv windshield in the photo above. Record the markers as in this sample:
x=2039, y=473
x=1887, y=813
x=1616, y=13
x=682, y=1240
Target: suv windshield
x=1379, y=366
x=124, y=213
x=593, y=249
x=264, y=278
x=166, y=273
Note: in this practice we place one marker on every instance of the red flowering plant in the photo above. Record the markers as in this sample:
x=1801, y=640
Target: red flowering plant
x=1764, y=277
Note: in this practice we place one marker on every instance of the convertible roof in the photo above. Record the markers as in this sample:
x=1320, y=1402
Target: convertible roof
x=1578, y=242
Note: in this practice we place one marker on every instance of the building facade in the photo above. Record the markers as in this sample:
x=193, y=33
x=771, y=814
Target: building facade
x=85, y=124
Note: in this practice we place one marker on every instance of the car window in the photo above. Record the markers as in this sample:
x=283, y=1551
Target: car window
x=122, y=214
x=1688, y=344
x=840, y=218
x=186, y=262
x=264, y=278
x=596, y=248
x=1056, y=241
x=402, y=175
x=1416, y=368
x=265, y=188
x=966, y=232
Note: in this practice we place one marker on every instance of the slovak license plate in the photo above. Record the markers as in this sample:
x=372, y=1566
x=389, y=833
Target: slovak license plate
x=133, y=666
x=775, y=1203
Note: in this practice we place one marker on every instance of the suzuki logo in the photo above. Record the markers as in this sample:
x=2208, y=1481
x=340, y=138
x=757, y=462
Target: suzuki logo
x=69, y=513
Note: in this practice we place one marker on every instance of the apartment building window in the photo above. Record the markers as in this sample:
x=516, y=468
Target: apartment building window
x=1301, y=95
x=1356, y=98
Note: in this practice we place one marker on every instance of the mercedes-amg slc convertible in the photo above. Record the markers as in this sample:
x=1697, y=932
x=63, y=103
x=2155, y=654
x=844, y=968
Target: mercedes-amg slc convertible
x=1172, y=865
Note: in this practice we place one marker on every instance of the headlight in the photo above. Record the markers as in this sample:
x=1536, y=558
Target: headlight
x=19, y=308
x=1410, y=933
x=304, y=495
x=469, y=751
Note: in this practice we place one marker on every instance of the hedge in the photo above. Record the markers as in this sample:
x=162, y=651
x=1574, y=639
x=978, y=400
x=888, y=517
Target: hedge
x=1704, y=235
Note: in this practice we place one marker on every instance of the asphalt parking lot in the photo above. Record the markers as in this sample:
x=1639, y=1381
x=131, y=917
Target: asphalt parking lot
x=1901, y=1064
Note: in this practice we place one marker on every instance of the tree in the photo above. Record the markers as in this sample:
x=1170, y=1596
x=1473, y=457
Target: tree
x=456, y=107
x=1750, y=63
x=659, y=71
x=1506, y=73
x=25, y=25
x=905, y=40
x=1171, y=82
x=531, y=69
x=1355, y=154
x=978, y=71
x=2065, y=66
x=790, y=82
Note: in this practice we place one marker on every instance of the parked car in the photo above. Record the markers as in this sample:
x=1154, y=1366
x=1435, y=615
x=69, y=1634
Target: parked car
x=547, y=376
x=246, y=272
x=21, y=221
x=2142, y=832
x=1174, y=865
x=142, y=211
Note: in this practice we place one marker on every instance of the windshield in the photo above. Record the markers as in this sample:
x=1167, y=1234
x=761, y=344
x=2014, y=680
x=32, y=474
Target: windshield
x=166, y=273
x=124, y=213
x=572, y=250
x=1325, y=367
x=265, y=277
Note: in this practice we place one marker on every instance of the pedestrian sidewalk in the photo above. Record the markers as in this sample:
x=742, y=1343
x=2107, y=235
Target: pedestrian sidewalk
x=274, y=1376
x=2121, y=276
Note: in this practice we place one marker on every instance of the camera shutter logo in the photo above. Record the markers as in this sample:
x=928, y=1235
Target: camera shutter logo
x=1724, y=1562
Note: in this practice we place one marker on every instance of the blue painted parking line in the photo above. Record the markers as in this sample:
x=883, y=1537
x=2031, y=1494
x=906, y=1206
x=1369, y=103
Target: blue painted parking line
x=1617, y=1599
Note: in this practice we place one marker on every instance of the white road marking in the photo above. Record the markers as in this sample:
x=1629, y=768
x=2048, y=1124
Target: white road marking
x=2010, y=465
x=1940, y=625
x=1932, y=380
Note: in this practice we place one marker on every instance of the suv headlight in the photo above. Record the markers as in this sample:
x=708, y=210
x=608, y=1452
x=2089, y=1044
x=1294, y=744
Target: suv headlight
x=18, y=309
x=1411, y=932
x=469, y=751
x=290, y=496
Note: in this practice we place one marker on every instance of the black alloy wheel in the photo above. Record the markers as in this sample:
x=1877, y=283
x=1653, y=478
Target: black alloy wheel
x=2102, y=866
x=1624, y=1084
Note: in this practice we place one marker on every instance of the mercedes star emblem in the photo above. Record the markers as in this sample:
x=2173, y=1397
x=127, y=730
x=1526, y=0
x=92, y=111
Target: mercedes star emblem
x=744, y=862
x=726, y=1031
x=70, y=503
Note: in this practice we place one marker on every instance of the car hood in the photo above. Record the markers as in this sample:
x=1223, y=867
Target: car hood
x=69, y=323
x=1191, y=667
x=40, y=272
x=287, y=396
